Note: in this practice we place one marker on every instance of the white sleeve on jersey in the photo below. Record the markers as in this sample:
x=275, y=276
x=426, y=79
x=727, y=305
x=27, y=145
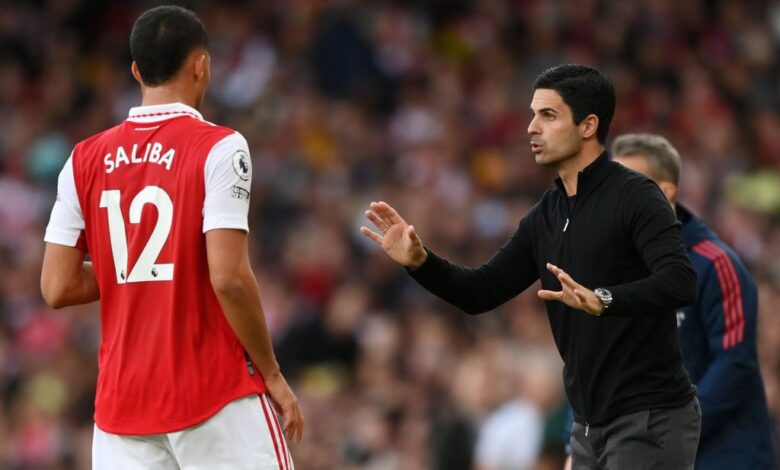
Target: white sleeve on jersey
x=67, y=221
x=228, y=178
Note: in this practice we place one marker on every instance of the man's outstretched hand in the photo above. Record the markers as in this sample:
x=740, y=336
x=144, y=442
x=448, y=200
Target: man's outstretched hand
x=572, y=294
x=399, y=239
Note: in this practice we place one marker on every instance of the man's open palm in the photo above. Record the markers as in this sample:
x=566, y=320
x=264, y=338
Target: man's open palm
x=396, y=237
x=572, y=294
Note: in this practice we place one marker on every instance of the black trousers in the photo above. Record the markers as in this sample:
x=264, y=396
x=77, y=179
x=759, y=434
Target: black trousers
x=664, y=439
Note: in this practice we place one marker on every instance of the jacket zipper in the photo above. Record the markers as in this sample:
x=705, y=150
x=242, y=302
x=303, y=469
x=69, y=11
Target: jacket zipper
x=568, y=211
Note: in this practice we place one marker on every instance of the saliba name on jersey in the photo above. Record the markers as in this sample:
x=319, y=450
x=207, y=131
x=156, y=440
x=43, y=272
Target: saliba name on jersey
x=152, y=153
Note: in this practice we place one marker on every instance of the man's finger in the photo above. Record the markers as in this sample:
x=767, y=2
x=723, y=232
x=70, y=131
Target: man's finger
x=553, y=268
x=294, y=429
x=550, y=295
x=377, y=221
x=387, y=212
x=290, y=428
x=566, y=280
x=372, y=235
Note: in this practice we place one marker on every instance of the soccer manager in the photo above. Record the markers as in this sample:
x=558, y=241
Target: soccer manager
x=608, y=250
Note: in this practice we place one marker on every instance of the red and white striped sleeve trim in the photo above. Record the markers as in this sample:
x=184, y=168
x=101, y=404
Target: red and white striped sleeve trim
x=733, y=312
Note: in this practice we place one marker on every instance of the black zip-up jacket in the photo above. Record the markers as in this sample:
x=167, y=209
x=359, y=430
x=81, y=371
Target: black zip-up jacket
x=621, y=234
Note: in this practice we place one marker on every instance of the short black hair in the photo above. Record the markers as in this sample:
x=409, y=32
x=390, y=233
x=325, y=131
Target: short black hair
x=585, y=90
x=161, y=40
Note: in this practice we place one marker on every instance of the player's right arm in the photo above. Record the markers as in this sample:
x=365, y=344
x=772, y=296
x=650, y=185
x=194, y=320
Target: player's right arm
x=509, y=271
x=66, y=279
x=236, y=288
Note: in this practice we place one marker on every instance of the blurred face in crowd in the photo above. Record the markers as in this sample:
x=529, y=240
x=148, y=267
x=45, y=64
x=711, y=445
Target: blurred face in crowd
x=555, y=138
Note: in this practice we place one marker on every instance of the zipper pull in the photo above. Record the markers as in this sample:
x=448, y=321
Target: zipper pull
x=587, y=429
x=567, y=224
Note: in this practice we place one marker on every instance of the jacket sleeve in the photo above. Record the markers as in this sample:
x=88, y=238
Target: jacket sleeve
x=727, y=308
x=477, y=290
x=657, y=237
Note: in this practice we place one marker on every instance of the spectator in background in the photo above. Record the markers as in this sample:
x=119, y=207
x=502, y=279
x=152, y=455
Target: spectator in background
x=512, y=435
x=718, y=332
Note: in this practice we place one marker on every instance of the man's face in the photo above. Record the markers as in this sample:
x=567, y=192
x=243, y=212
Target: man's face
x=637, y=163
x=554, y=136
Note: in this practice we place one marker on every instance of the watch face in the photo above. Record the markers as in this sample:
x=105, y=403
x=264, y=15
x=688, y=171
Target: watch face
x=604, y=295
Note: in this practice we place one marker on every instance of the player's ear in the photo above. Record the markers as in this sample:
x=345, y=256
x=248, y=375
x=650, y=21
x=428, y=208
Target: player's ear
x=201, y=66
x=136, y=73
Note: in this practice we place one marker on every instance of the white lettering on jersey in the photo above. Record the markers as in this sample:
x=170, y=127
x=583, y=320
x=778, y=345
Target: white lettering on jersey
x=153, y=153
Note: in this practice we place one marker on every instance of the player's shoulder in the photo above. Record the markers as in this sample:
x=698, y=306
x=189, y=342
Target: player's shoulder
x=711, y=254
x=214, y=133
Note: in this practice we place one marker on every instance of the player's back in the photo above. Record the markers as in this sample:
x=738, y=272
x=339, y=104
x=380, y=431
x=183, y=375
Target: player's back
x=168, y=358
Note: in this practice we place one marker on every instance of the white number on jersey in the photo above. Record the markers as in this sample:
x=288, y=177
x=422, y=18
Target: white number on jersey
x=145, y=268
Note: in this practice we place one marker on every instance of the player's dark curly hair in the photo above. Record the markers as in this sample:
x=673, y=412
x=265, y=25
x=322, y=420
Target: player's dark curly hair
x=161, y=40
x=585, y=90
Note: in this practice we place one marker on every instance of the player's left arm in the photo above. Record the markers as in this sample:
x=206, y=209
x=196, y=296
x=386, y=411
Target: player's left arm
x=728, y=308
x=66, y=279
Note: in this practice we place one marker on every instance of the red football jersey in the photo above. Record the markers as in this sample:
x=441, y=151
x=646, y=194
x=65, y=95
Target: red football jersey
x=140, y=197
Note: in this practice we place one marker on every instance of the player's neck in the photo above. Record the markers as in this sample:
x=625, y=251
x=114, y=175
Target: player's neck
x=166, y=94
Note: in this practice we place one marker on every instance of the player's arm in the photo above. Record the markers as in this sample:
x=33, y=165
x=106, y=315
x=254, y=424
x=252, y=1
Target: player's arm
x=66, y=279
x=228, y=178
x=474, y=290
x=236, y=288
x=728, y=307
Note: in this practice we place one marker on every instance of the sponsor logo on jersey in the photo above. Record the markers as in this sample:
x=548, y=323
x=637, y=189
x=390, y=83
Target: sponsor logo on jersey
x=240, y=193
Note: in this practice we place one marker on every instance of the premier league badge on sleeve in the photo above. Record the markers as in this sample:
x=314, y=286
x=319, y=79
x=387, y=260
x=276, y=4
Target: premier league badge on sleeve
x=242, y=165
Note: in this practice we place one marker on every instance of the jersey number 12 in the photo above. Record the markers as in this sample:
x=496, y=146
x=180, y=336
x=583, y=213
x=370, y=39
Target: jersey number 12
x=146, y=268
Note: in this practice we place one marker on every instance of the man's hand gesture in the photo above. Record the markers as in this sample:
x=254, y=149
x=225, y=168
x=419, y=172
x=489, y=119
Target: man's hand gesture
x=396, y=237
x=572, y=294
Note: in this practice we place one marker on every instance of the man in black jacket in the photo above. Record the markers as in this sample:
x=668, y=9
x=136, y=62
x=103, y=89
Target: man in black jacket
x=608, y=250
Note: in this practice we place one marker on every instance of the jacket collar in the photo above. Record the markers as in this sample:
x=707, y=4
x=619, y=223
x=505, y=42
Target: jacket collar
x=590, y=176
x=694, y=230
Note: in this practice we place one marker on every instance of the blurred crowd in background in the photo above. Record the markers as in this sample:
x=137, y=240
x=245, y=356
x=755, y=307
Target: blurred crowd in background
x=423, y=104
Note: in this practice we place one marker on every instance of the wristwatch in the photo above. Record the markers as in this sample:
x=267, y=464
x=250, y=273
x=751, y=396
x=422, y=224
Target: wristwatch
x=604, y=296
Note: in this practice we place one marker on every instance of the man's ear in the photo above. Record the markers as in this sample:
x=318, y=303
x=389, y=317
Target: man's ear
x=589, y=126
x=200, y=66
x=136, y=73
x=669, y=189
